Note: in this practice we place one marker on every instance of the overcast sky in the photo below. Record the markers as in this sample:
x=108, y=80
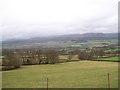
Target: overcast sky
x=33, y=18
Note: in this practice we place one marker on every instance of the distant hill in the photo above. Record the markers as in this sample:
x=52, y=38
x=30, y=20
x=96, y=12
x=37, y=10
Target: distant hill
x=71, y=37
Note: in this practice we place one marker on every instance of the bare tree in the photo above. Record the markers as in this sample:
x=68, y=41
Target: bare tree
x=85, y=55
x=51, y=56
x=70, y=56
x=11, y=59
x=39, y=54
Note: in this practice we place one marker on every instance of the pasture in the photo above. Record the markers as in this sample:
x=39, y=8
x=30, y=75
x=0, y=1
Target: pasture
x=110, y=59
x=82, y=74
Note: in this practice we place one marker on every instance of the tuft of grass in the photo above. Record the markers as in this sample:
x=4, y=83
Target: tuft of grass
x=82, y=74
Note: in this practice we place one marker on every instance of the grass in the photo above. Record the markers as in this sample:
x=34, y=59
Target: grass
x=110, y=59
x=82, y=74
x=0, y=79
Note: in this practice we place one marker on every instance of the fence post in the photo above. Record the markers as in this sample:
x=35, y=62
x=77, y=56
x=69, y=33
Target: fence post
x=108, y=75
x=47, y=83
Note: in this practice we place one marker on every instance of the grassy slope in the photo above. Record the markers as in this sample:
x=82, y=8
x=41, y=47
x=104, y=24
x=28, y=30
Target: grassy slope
x=83, y=74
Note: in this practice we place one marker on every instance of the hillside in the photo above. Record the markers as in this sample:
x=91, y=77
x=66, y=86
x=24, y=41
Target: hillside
x=65, y=38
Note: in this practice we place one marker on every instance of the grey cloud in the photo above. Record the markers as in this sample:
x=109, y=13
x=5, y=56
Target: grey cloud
x=94, y=16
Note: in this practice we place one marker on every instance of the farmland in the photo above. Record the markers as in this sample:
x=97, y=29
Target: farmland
x=67, y=62
x=110, y=59
x=82, y=74
x=63, y=44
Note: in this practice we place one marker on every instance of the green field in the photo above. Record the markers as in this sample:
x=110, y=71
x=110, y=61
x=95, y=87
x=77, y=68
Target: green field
x=82, y=74
x=110, y=41
x=110, y=59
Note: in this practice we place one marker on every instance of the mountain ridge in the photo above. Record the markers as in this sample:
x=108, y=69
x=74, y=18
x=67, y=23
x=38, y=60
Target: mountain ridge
x=67, y=37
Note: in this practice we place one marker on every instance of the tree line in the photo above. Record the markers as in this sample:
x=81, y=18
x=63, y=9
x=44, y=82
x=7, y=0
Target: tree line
x=90, y=54
x=15, y=58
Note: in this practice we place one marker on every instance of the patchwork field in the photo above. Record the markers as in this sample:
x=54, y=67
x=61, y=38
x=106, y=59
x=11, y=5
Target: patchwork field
x=82, y=74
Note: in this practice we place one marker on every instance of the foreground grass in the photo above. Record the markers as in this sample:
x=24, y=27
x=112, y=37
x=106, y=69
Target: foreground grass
x=0, y=79
x=82, y=74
